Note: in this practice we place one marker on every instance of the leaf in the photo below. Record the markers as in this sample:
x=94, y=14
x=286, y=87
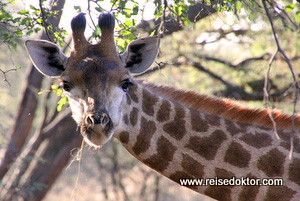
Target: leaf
x=33, y=8
x=37, y=29
x=135, y=10
x=128, y=22
x=96, y=32
x=152, y=33
x=23, y=12
x=39, y=20
x=13, y=45
x=122, y=4
x=61, y=103
x=18, y=67
x=6, y=36
x=100, y=10
x=297, y=17
x=250, y=17
x=290, y=7
x=238, y=6
x=78, y=9
x=56, y=90
x=178, y=10
x=19, y=32
x=185, y=21
x=29, y=33
x=121, y=44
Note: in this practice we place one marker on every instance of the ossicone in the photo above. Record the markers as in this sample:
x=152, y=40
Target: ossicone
x=78, y=23
x=80, y=43
x=106, y=45
x=106, y=21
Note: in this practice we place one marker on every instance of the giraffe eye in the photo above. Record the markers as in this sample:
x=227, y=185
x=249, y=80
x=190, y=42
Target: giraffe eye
x=66, y=86
x=126, y=84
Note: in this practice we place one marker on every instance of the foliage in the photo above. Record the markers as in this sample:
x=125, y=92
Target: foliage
x=26, y=22
x=230, y=44
x=63, y=100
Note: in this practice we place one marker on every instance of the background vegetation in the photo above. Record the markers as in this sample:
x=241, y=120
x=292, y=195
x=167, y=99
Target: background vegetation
x=221, y=48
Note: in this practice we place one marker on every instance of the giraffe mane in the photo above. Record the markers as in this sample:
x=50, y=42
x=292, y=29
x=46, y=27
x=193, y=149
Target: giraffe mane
x=224, y=108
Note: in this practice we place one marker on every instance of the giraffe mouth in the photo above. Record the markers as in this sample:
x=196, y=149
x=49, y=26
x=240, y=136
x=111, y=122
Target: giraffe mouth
x=97, y=134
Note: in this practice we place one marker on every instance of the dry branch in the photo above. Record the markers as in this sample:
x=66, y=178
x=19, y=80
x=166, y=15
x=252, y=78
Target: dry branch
x=295, y=83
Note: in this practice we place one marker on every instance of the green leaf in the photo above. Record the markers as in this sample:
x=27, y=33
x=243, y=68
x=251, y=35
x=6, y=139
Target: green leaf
x=96, y=32
x=250, y=17
x=54, y=87
x=61, y=102
x=37, y=29
x=19, y=32
x=18, y=67
x=17, y=20
x=121, y=44
x=135, y=10
x=23, y=12
x=290, y=7
x=185, y=21
x=152, y=33
x=6, y=36
x=33, y=8
x=238, y=6
x=128, y=22
x=100, y=10
x=39, y=20
x=12, y=1
x=122, y=4
x=178, y=10
x=78, y=9
x=29, y=33
x=56, y=90
x=13, y=45
x=297, y=17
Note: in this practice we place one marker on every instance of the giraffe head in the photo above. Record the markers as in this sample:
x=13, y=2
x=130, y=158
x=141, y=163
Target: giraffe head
x=95, y=78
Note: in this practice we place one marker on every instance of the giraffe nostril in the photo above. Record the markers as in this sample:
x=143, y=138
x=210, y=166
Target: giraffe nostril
x=90, y=119
x=104, y=119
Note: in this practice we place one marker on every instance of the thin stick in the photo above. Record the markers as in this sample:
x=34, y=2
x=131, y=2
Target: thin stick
x=78, y=158
x=267, y=95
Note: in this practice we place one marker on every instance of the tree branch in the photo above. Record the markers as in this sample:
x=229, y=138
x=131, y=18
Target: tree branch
x=45, y=24
x=4, y=74
x=296, y=86
x=195, y=13
x=235, y=65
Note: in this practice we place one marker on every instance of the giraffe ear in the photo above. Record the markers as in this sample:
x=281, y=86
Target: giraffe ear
x=46, y=57
x=140, y=54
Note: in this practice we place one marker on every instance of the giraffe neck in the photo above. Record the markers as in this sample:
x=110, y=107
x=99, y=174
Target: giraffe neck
x=184, y=142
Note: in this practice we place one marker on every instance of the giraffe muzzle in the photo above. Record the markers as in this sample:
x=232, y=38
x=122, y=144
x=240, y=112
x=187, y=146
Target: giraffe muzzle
x=97, y=128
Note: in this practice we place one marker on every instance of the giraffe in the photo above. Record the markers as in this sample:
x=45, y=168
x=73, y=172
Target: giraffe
x=180, y=134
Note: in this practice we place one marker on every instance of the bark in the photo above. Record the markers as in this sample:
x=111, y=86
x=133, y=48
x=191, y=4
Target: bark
x=63, y=138
x=27, y=107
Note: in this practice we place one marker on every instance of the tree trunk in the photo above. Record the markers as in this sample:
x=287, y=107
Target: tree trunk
x=61, y=141
x=28, y=104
